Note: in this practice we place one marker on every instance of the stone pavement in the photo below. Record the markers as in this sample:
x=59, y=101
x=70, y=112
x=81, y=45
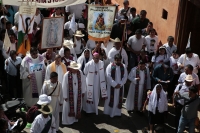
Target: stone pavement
x=92, y=123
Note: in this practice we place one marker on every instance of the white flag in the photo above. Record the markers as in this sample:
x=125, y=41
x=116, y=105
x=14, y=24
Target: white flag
x=72, y=25
x=7, y=43
x=188, y=44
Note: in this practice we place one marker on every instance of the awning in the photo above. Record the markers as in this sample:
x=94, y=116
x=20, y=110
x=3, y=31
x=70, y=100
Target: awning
x=46, y=3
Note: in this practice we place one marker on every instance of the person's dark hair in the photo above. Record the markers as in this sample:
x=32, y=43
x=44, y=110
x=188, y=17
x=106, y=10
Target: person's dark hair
x=133, y=9
x=151, y=23
x=86, y=50
x=66, y=49
x=12, y=52
x=188, y=50
x=152, y=30
x=33, y=49
x=143, y=12
x=58, y=8
x=175, y=52
x=125, y=1
x=189, y=67
x=117, y=56
x=8, y=22
x=138, y=31
x=193, y=89
x=53, y=75
x=3, y=31
x=141, y=62
x=12, y=34
x=170, y=38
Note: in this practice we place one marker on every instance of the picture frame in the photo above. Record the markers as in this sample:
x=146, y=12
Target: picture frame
x=52, y=32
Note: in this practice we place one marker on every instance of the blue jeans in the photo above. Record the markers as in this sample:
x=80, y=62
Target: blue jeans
x=183, y=122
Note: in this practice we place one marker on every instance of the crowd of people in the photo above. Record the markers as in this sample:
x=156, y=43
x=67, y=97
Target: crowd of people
x=77, y=75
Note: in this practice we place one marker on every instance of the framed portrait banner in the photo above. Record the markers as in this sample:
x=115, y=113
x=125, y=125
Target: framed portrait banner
x=52, y=32
x=100, y=22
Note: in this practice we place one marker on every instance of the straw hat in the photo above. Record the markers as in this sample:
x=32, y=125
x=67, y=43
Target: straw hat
x=44, y=99
x=74, y=65
x=79, y=34
x=68, y=43
x=46, y=109
x=115, y=40
x=189, y=78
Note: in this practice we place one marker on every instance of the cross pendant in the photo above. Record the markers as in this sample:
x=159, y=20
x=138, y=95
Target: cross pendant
x=74, y=83
x=96, y=72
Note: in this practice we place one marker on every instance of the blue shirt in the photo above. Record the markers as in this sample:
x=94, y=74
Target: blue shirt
x=10, y=68
x=160, y=74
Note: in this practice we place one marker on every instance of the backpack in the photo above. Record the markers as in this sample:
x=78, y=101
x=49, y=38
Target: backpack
x=30, y=116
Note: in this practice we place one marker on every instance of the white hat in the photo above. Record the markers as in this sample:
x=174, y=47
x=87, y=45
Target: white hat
x=162, y=47
x=81, y=25
x=44, y=99
x=74, y=65
x=68, y=43
x=4, y=17
x=115, y=40
x=189, y=78
x=46, y=109
x=79, y=34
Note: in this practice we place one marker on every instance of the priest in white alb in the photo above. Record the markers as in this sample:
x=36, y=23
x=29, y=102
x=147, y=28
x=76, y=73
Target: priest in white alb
x=95, y=83
x=56, y=66
x=32, y=73
x=140, y=83
x=116, y=74
x=73, y=93
x=53, y=88
x=117, y=49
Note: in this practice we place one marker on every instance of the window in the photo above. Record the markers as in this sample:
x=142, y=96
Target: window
x=164, y=14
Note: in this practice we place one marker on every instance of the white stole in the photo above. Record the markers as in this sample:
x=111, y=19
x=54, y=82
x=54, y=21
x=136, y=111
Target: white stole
x=90, y=85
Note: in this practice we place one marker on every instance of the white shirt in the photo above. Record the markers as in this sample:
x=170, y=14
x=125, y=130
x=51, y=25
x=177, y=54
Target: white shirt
x=127, y=13
x=183, y=76
x=114, y=51
x=76, y=9
x=90, y=44
x=169, y=49
x=151, y=48
x=78, y=43
x=40, y=122
x=14, y=28
x=10, y=68
x=194, y=61
x=136, y=44
x=182, y=90
x=66, y=26
x=173, y=64
x=157, y=60
x=16, y=17
x=37, y=19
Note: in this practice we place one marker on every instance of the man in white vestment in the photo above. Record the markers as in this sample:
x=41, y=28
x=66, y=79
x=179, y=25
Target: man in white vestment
x=56, y=66
x=53, y=88
x=189, y=58
x=116, y=74
x=73, y=93
x=118, y=49
x=140, y=83
x=95, y=82
x=85, y=57
x=45, y=122
x=32, y=73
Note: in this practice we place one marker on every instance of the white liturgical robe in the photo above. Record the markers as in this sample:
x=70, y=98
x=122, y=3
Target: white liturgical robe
x=56, y=98
x=129, y=104
x=26, y=83
x=114, y=111
x=66, y=120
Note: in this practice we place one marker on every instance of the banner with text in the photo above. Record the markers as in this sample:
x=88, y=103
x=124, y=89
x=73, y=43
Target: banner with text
x=100, y=22
x=45, y=3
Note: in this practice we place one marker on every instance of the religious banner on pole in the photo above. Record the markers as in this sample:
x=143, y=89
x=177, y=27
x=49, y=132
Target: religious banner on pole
x=25, y=27
x=100, y=22
x=46, y=3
